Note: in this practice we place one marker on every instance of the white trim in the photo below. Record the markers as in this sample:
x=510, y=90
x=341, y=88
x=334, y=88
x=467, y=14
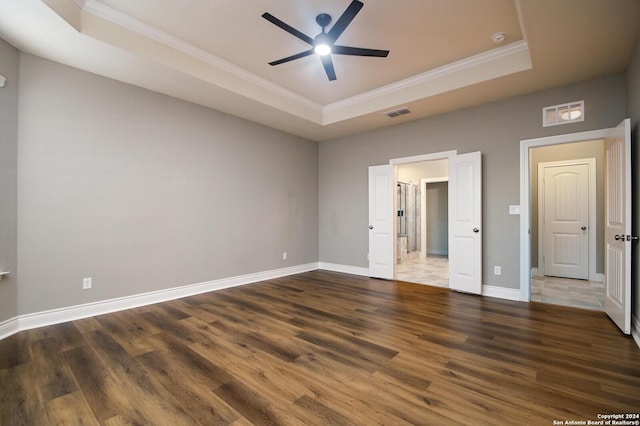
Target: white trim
x=445, y=70
x=9, y=327
x=346, y=269
x=517, y=53
x=591, y=221
x=497, y=62
x=501, y=292
x=635, y=330
x=125, y=21
x=535, y=272
x=71, y=313
x=525, y=216
x=444, y=155
x=599, y=278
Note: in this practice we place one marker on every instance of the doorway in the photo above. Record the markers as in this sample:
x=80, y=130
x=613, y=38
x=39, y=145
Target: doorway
x=464, y=217
x=567, y=206
x=617, y=217
x=422, y=233
x=562, y=288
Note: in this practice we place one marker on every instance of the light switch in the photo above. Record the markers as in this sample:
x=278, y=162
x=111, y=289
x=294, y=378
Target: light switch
x=514, y=209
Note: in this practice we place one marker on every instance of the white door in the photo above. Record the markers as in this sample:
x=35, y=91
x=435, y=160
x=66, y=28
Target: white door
x=381, y=234
x=465, y=223
x=566, y=221
x=617, y=301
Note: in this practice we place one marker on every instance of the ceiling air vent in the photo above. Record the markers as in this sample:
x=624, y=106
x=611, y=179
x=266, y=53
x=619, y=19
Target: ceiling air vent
x=398, y=112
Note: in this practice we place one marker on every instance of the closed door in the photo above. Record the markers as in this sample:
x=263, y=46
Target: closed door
x=566, y=221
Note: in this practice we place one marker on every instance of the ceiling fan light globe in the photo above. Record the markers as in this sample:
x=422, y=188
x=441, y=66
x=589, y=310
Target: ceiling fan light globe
x=322, y=49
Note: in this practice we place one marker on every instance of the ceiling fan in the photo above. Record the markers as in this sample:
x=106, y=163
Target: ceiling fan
x=323, y=43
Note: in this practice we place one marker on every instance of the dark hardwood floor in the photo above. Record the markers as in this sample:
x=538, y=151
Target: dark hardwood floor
x=322, y=348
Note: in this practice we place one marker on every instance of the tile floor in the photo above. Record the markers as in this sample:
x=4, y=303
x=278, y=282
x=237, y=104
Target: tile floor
x=568, y=292
x=434, y=270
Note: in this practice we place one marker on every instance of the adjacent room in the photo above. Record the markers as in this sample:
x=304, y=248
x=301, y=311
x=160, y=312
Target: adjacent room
x=325, y=212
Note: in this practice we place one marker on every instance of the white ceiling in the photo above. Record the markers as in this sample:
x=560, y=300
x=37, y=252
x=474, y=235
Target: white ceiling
x=216, y=52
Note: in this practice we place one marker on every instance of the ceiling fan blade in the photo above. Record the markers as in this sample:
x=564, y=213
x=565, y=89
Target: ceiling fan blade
x=292, y=57
x=343, y=22
x=328, y=67
x=358, y=51
x=288, y=28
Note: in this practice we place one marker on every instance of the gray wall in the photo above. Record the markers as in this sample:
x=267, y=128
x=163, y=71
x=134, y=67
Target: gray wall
x=495, y=129
x=9, y=67
x=437, y=194
x=569, y=151
x=633, y=86
x=144, y=192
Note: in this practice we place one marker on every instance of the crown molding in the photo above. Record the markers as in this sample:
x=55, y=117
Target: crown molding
x=512, y=50
x=125, y=21
x=481, y=67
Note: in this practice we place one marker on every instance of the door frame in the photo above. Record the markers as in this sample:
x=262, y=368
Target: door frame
x=423, y=211
x=592, y=229
x=525, y=185
x=395, y=162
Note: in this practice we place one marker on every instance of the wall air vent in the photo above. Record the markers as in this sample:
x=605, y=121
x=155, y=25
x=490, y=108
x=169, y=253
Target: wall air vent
x=398, y=112
x=563, y=114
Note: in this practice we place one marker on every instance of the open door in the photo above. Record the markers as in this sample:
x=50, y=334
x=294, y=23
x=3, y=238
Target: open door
x=381, y=233
x=617, y=297
x=465, y=223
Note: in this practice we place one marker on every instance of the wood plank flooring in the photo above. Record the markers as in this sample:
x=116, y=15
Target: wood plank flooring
x=322, y=348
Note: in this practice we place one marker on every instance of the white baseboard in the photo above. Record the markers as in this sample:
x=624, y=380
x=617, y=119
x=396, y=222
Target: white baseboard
x=71, y=313
x=599, y=278
x=56, y=316
x=9, y=327
x=635, y=330
x=347, y=269
x=501, y=292
x=535, y=272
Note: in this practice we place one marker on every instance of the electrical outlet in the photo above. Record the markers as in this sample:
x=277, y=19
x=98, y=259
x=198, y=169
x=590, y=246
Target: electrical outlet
x=284, y=255
x=497, y=270
x=86, y=283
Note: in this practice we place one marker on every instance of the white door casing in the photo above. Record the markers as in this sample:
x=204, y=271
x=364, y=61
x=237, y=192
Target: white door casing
x=617, y=219
x=525, y=192
x=565, y=195
x=381, y=231
x=465, y=223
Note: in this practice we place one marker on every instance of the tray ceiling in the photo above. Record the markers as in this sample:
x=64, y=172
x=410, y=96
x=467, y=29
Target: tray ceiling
x=442, y=58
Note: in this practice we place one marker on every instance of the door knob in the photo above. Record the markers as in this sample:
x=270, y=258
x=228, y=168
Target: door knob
x=619, y=237
x=476, y=230
x=584, y=228
x=370, y=226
